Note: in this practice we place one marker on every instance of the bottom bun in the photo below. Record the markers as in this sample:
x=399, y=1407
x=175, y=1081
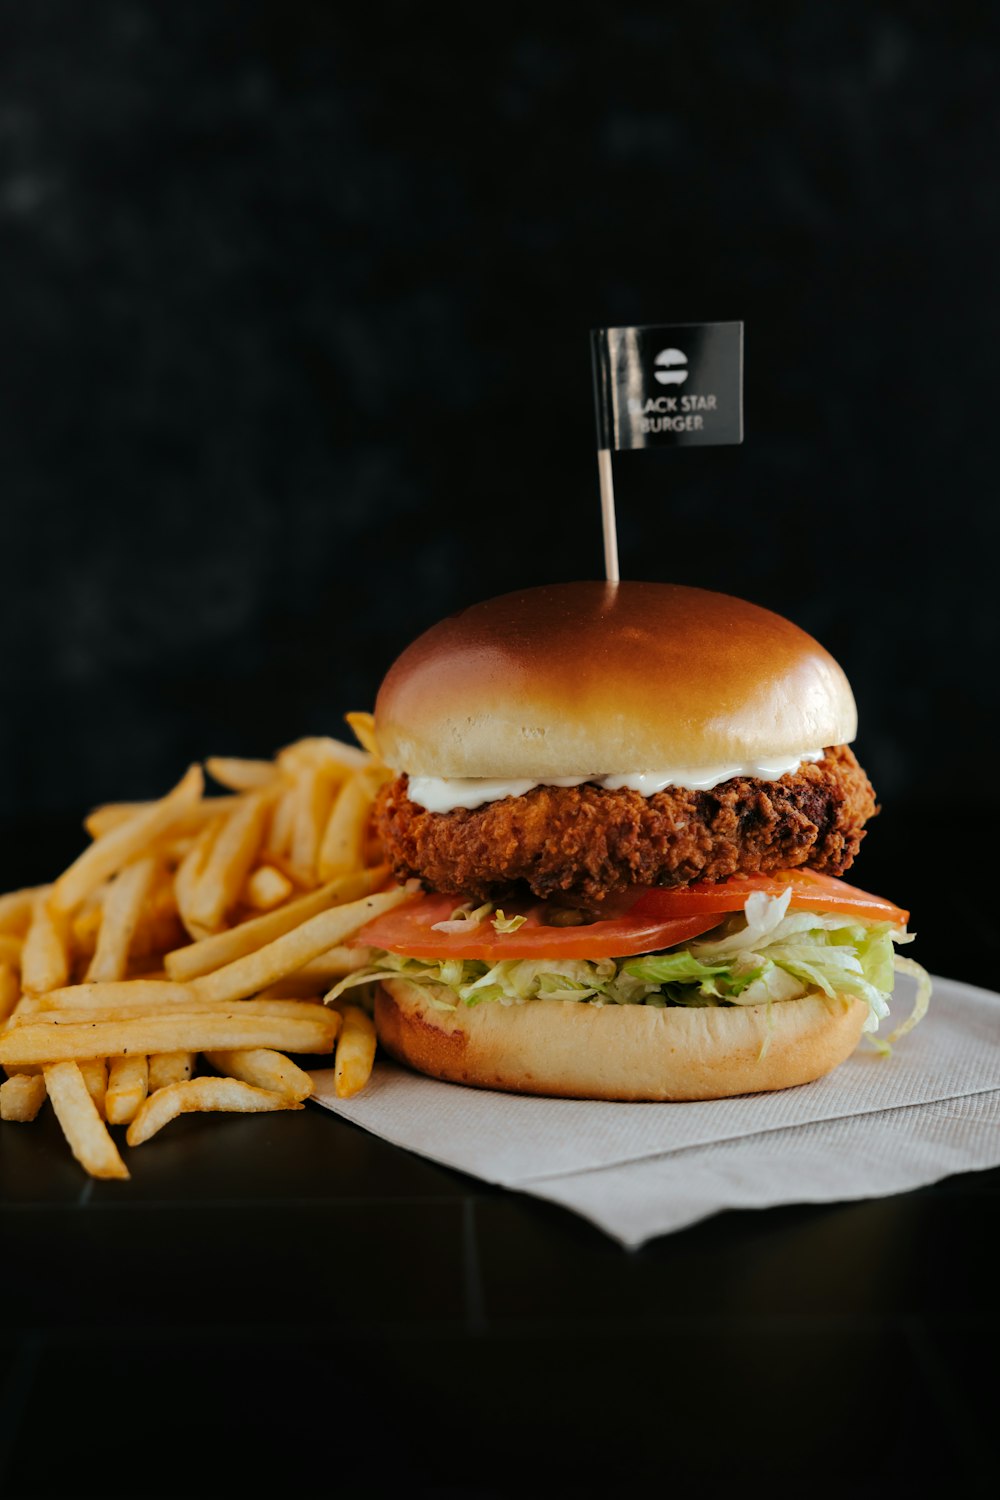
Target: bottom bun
x=579, y=1051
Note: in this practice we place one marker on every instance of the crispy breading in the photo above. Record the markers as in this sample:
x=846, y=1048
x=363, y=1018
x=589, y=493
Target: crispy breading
x=584, y=842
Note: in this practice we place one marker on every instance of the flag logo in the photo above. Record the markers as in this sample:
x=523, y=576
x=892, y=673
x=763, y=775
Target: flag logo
x=668, y=385
x=666, y=360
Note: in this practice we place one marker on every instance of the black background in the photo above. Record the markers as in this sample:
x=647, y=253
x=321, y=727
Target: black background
x=294, y=321
x=294, y=314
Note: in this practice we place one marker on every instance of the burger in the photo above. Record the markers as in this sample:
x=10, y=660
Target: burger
x=624, y=810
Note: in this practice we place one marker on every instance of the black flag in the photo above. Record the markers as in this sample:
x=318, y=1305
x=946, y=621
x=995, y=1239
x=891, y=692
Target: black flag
x=672, y=385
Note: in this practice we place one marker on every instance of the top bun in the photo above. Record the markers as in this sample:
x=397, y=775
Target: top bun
x=584, y=679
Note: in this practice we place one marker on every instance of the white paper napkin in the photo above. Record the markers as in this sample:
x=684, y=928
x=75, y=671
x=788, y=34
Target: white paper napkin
x=873, y=1127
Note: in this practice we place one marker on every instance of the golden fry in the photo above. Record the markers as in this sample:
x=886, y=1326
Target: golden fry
x=199, y=1031
x=22, y=1096
x=228, y=863
x=10, y=991
x=240, y=775
x=266, y=888
x=265, y=1070
x=225, y=947
x=363, y=727
x=123, y=906
x=109, y=853
x=279, y=833
x=159, y=928
x=128, y=1085
x=188, y=878
x=94, y=1071
x=166, y=1068
x=10, y=949
x=125, y=1047
x=355, y=1052
x=320, y=974
x=82, y=1126
x=85, y=929
x=202, y=1094
x=254, y=972
x=127, y=992
x=321, y=751
x=343, y=845
x=313, y=800
x=41, y=1013
x=113, y=814
x=17, y=907
x=45, y=956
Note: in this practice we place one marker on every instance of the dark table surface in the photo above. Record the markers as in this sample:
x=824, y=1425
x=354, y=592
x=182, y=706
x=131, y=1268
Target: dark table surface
x=286, y=1299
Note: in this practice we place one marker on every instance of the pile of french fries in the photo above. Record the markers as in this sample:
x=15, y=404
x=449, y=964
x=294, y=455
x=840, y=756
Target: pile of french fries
x=196, y=933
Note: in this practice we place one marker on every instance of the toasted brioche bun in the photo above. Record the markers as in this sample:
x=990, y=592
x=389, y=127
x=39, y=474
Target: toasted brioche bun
x=582, y=679
x=579, y=1051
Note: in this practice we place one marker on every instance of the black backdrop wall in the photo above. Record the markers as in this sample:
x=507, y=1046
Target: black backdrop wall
x=293, y=330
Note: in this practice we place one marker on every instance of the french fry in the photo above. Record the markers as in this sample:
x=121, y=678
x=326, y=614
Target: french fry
x=123, y=905
x=228, y=863
x=113, y=814
x=197, y=1031
x=102, y=819
x=321, y=974
x=82, y=1126
x=316, y=789
x=113, y=850
x=85, y=929
x=94, y=1071
x=128, y=1085
x=22, y=1096
x=39, y=1013
x=343, y=843
x=174, y=847
x=166, y=1068
x=363, y=727
x=129, y=992
x=123, y=1043
x=266, y=888
x=279, y=834
x=159, y=928
x=355, y=1055
x=240, y=775
x=10, y=949
x=248, y=975
x=265, y=1070
x=17, y=907
x=202, y=1094
x=10, y=992
x=45, y=956
x=188, y=878
x=225, y=947
x=321, y=751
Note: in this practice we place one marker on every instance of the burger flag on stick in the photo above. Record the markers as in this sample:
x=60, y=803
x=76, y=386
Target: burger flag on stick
x=626, y=809
x=673, y=385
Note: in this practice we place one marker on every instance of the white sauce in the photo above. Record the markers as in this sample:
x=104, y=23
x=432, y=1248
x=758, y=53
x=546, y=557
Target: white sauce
x=446, y=793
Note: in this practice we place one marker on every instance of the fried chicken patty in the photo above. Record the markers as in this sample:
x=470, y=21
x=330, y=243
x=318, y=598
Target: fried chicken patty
x=584, y=842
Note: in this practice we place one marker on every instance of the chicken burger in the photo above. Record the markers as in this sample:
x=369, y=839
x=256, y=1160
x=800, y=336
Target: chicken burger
x=628, y=807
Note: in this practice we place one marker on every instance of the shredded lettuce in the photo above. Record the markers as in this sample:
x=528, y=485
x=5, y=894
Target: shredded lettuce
x=763, y=955
x=507, y=924
x=463, y=917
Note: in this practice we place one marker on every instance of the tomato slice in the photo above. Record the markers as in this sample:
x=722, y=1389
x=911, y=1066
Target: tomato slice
x=810, y=890
x=638, y=928
x=640, y=921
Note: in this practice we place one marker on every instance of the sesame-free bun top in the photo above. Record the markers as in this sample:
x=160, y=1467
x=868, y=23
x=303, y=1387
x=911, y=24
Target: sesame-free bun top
x=581, y=679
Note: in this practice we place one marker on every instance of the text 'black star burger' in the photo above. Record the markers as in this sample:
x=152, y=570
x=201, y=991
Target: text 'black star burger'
x=629, y=806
